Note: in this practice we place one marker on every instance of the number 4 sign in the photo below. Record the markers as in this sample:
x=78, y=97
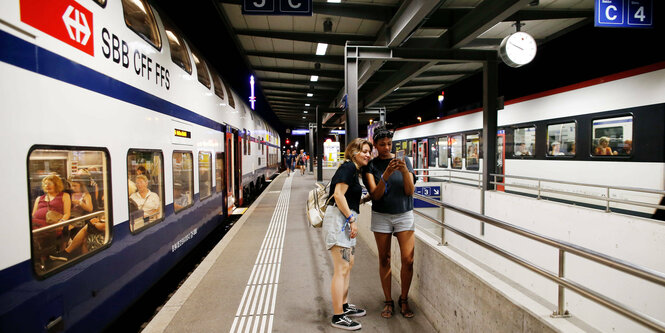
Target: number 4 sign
x=623, y=13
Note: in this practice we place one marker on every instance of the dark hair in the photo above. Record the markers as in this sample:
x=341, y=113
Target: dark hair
x=381, y=132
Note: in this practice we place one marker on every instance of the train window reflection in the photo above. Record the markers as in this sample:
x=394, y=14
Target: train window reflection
x=183, y=180
x=456, y=151
x=219, y=172
x=201, y=70
x=219, y=88
x=472, y=151
x=561, y=139
x=70, y=215
x=139, y=18
x=232, y=103
x=205, y=175
x=613, y=136
x=179, y=54
x=524, y=140
x=145, y=179
x=433, y=152
x=443, y=152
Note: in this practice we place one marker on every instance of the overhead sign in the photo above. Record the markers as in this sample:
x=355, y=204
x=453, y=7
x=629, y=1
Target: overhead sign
x=623, y=13
x=277, y=7
x=65, y=20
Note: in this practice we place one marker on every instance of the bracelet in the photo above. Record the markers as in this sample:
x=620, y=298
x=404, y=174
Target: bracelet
x=350, y=216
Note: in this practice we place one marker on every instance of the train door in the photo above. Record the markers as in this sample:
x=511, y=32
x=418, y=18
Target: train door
x=220, y=178
x=233, y=167
x=422, y=161
x=414, y=153
x=237, y=171
x=500, y=157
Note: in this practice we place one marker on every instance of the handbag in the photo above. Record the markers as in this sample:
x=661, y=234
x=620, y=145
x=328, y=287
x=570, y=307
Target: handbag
x=317, y=203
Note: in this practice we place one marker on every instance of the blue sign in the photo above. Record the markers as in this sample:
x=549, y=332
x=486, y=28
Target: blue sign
x=277, y=7
x=624, y=13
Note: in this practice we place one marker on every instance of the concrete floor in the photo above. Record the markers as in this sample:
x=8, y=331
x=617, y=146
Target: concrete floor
x=271, y=272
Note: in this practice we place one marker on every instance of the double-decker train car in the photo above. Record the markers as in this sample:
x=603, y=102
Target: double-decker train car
x=608, y=131
x=122, y=149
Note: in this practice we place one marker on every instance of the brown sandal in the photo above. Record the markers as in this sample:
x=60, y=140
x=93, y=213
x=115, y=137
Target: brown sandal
x=406, y=313
x=388, y=308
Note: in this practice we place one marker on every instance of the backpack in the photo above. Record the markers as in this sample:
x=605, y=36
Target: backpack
x=317, y=203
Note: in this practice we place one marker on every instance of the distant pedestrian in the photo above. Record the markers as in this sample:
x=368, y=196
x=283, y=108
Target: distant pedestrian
x=287, y=162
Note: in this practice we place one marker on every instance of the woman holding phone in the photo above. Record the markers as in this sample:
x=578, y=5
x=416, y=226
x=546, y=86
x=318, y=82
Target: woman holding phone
x=391, y=183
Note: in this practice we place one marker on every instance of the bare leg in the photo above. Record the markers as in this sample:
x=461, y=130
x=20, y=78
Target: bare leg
x=383, y=246
x=406, y=241
x=341, y=262
x=78, y=240
x=348, y=276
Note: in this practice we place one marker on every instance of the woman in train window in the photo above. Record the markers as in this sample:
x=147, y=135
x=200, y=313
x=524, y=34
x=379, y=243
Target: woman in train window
x=603, y=147
x=391, y=182
x=52, y=207
x=340, y=230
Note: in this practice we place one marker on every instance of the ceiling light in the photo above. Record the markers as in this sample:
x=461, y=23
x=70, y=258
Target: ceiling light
x=314, y=78
x=321, y=48
x=304, y=111
x=303, y=117
x=306, y=104
x=310, y=94
x=335, y=1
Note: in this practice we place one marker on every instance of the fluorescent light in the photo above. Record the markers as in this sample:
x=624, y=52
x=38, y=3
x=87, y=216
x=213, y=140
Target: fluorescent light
x=314, y=78
x=303, y=117
x=306, y=104
x=321, y=49
x=310, y=94
x=304, y=111
x=335, y=1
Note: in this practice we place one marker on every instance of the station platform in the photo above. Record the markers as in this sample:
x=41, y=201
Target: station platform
x=271, y=273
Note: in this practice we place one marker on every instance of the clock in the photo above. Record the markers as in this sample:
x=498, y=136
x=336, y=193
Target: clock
x=517, y=49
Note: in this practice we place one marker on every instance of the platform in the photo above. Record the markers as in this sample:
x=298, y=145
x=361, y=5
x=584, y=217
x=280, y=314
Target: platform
x=271, y=273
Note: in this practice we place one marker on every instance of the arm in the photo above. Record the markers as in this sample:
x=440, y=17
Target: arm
x=85, y=202
x=67, y=206
x=407, y=176
x=378, y=188
x=343, y=206
x=34, y=208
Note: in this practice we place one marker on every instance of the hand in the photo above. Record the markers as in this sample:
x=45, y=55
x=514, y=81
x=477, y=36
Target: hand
x=354, y=228
x=401, y=166
x=392, y=166
x=365, y=199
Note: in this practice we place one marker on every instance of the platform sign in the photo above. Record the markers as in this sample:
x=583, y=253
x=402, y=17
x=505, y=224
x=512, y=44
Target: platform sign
x=277, y=7
x=433, y=192
x=624, y=13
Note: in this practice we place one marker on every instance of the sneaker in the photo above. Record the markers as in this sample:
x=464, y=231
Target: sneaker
x=345, y=323
x=352, y=311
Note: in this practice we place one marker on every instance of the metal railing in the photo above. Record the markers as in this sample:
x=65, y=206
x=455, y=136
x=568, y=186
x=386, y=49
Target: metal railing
x=463, y=177
x=559, y=277
x=607, y=189
x=68, y=222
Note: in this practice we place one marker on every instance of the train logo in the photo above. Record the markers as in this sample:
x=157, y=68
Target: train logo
x=65, y=20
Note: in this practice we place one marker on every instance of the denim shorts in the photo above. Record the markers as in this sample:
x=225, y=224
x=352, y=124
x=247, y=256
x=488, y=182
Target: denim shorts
x=392, y=223
x=333, y=222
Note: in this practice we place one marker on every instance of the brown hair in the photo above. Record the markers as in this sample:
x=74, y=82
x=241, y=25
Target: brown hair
x=57, y=182
x=355, y=147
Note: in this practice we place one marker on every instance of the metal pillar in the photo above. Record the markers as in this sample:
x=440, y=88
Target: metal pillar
x=312, y=130
x=319, y=145
x=490, y=107
x=351, y=61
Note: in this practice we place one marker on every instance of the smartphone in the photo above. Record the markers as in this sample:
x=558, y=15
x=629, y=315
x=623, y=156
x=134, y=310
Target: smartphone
x=400, y=155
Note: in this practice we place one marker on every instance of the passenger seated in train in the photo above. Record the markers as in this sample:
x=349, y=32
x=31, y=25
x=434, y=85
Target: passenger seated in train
x=52, y=207
x=627, y=148
x=146, y=200
x=89, y=238
x=88, y=180
x=556, y=149
x=180, y=198
x=81, y=203
x=603, y=147
x=522, y=150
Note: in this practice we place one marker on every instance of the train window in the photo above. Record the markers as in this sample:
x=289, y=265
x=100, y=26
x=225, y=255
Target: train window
x=139, y=18
x=472, y=151
x=179, y=53
x=613, y=136
x=456, y=151
x=232, y=103
x=70, y=214
x=205, y=175
x=524, y=140
x=145, y=178
x=219, y=88
x=219, y=172
x=433, y=152
x=201, y=70
x=183, y=180
x=561, y=139
x=443, y=152
x=101, y=3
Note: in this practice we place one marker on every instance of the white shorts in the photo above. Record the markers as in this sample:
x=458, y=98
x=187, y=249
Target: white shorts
x=392, y=223
x=335, y=229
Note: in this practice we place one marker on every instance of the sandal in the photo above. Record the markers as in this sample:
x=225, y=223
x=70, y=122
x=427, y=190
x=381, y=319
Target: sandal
x=388, y=308
x=405, y=313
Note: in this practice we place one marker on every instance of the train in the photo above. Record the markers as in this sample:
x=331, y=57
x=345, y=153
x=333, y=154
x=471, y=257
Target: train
x=576, y=141
x=123, y=148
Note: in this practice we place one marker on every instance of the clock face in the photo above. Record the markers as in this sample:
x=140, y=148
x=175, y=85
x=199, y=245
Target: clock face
x=518, y=49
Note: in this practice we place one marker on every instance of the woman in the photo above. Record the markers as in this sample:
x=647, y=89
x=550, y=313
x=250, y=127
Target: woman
x=146, y=200
x=300, y=160
x=52, y=207
x=603, y=147
x=340, y=230
x=390, y=183
x=287, y=162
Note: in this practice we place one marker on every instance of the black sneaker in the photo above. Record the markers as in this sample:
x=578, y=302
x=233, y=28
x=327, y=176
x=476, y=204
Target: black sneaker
x=352, y=311
x=345, y=323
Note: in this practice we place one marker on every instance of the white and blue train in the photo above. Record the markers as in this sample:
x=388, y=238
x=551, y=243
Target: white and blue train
x=123, y=148
x=608, y=131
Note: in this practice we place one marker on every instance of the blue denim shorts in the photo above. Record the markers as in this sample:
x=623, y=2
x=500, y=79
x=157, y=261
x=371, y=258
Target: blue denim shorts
x=392, y=223
x=333, y=222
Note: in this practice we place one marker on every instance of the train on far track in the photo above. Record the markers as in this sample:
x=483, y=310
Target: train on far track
x=579, y=140
x=123, y=149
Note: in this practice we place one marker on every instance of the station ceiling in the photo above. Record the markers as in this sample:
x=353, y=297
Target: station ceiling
x=281, y=50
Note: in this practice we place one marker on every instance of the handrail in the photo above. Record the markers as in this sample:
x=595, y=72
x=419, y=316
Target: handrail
x=618, y=264
x=68, y=222
x=450, y=175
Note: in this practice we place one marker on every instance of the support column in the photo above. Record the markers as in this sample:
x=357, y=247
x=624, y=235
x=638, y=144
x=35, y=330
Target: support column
x=490, y=107
x=351, y=61
x=319, y=145
x=312, y=135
